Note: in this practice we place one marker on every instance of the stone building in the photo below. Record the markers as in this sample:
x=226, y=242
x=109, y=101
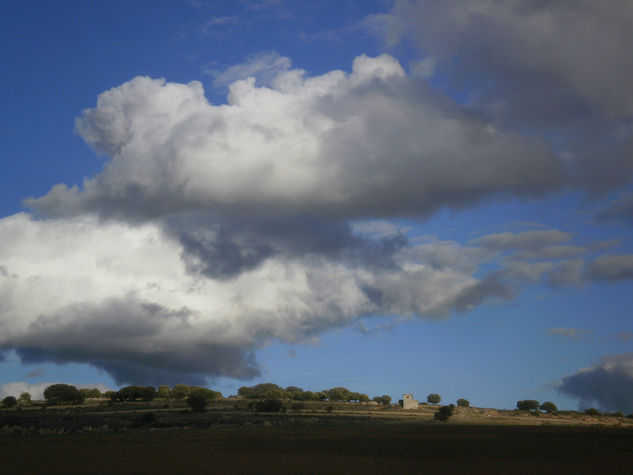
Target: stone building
x=408, y=402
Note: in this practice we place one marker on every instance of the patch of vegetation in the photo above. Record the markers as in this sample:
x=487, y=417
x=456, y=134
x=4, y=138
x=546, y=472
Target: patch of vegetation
x=444, y=412
x=549, y=407
x=528, y=405
x=294, y=393
x=384, y=400
x=197, y=403
x=9, y=401
x=433, y=398
x=204, y=393
x=90, y=393
x=269, y=405
x=463, y=402
x=592, y=411
x=25, y=398
x=135, y=393
x=58, y=394
x=180, y=391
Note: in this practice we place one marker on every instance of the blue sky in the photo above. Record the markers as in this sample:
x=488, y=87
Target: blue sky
x=407, y=196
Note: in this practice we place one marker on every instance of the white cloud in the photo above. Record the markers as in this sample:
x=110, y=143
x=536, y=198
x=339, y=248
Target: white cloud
x=371, y=142
x=264, y=67
x=120, y=296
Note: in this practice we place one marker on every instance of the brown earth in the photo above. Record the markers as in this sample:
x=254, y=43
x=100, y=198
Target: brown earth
x=121, y=438
x=337, y=448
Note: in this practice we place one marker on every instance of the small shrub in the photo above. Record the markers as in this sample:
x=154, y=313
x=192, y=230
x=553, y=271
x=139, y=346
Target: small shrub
x=444, y=412
x=384, y=400
x=463, y=403
x=269, y=405
x=9, y=401
x=592, y=411
x=329, y=408
x=297, y=406
x=197, y=403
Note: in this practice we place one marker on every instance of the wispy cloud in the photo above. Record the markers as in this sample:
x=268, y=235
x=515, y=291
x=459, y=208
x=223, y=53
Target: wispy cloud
x=569, y=333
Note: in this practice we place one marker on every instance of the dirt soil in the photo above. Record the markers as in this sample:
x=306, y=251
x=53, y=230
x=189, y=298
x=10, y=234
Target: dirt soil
x=354, y=447
x=161, y=437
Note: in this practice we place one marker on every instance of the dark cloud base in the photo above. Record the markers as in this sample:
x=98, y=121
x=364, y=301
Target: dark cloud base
x=608, y=385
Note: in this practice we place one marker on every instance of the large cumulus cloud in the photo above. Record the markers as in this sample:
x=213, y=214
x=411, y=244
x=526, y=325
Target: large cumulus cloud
x=607, y=384
x=124, y=298
x=369, y=143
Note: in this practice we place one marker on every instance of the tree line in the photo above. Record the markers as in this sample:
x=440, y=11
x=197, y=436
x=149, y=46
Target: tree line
x=294, y=393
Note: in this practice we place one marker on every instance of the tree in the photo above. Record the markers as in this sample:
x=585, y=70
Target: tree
x=463, y=402
x=62, y=393
x=197, y=403
x=444, y=412
x=339, y=394
x=88, y=393
x=9, y=401
x=133, y=393
x=528, y=405
x=262, y=391
x=163, y=391
x=180, y=391
x=433, y=398
x=548, y=407
x=592, y=411
x=385, y=399
x=25, y=398
x=204, y=392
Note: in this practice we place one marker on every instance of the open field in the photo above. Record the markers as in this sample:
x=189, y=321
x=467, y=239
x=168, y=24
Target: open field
x=103, y=438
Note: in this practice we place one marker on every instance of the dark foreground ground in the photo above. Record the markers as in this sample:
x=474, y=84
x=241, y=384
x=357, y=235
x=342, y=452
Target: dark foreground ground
x=352, y=447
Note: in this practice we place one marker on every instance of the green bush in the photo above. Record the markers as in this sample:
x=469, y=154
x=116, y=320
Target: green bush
x=548, y=407
x=444, y=412
x=204, y=392
x=25, y=398
x=528, y=405
x=592, y=411
x=463, y=403
x=88, y=393
x=180, y=391
x=133, y=393
x=163, y=391
x=62, y=394
x=384, y=400
x=197, y=403
x=9, y=401
x=433, y=398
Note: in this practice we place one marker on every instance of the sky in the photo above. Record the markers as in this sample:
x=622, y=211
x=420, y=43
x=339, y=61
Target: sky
x=392, y=196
